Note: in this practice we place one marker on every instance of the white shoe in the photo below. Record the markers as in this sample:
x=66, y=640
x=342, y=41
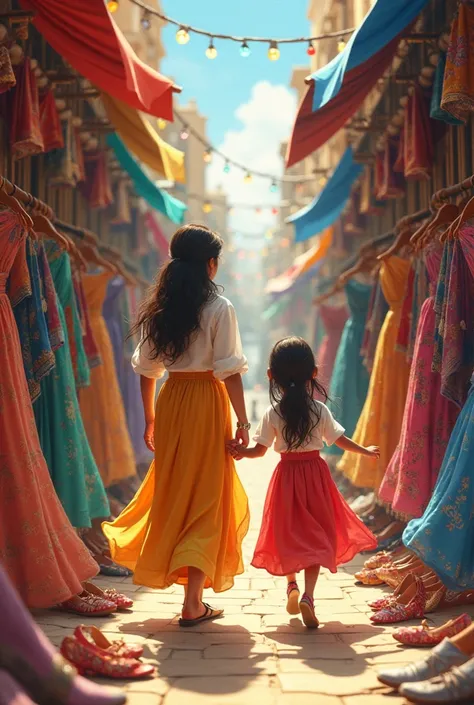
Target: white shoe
x=455, y=686
x=440, y=660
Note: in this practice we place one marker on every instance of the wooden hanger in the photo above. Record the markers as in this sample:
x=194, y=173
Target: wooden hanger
x=466, y=214
x=402, y=240
x=92, y=255
x=14, y=205
x=445, y=216
x=43, y=226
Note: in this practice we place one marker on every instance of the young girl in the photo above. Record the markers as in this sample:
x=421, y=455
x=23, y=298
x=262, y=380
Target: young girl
x=306, y=523
x=187, y=522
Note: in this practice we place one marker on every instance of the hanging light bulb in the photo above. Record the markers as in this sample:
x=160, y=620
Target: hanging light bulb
x=207, y=207
x=211, y=51
x=184, y=134
x=341, y=45
x=207, y=156
x=161, y=123
x=245, y=49
x=273, y=187
x=182, y=35
x=146, y=20
x=274, y=211
x=311, y=51
x=247, y=177
x=273, y=52
x=112, y=6
x=226, y=168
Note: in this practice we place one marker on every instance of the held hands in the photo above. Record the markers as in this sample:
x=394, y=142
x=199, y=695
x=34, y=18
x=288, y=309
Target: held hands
x=373, y=451
x=235, y=448
x=149, y=436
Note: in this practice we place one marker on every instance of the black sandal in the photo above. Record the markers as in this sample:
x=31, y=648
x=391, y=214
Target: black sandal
x=209, y=614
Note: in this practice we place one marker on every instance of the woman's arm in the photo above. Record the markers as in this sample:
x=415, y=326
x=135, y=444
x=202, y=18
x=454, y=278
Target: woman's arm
x=353, y=447
x=148, y=390
x=235, y=390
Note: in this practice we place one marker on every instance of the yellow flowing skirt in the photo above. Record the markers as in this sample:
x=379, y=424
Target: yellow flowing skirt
x=191, y=509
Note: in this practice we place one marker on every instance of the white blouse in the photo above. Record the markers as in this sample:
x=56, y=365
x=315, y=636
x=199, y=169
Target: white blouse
x=215, y=347
x=270, y=430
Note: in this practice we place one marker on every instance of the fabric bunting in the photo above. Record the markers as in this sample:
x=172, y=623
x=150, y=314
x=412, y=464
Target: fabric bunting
x=143, y=141
x=302, y=264
x=159, y=200
x=328, y=205
x=337, y=90
x=85, y=34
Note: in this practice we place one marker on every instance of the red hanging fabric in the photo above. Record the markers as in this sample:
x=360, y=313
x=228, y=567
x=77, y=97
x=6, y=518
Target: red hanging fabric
x=50, y=123
x=389, y=184
x=418, y=137
x=399, y=164
x=96, y=189
x=25, y=133
x=85, y=34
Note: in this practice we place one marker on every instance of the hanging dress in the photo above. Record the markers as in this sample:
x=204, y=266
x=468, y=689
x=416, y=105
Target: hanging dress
x=381, y=418
x=191, y=509
x=427, y=421
x=39, y=549
x=350, y=379
x=101, y=403
x=333, y=319
x=58, y=418
x=458, y=88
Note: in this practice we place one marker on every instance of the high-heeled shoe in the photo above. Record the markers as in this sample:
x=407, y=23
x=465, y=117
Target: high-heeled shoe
x=92, y=661
x=406, y=607
x=430, y=636
x=92, y=635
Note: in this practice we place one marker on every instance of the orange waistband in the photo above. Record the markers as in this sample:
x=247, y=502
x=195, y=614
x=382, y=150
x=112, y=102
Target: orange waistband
x=192, y=375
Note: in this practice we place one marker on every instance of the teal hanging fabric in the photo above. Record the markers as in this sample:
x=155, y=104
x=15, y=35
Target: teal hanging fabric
x=161, y=201
x=436, y=111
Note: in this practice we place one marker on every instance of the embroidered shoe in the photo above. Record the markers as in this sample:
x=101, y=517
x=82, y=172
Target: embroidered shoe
x=430, y=636
x=402, y=610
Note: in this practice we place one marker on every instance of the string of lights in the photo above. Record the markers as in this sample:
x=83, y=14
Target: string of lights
x=184, y=32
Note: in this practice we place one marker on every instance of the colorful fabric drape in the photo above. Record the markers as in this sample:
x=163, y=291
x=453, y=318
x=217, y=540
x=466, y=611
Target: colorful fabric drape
x=388, y=183
x=143, y=141
x=458, y=87
x=403, y=335
x=87, y=37
x=25, y=131
x=303, y=263
x=436, y=111
x=378, y=309
x=418, y=141
x=97, y=189
x=154, y=196
x=90, y=345
x=50, y=124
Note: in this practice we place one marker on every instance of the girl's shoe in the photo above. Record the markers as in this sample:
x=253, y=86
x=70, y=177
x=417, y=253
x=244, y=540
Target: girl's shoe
x=88, y=606
x=454, y=686
x=430, y=636
x=122, y=601
x=307, y=612
x=384, y=602
x=92, y=635
x=92, y=661
x=440, y=660
x=401, y=611
x=293, y=597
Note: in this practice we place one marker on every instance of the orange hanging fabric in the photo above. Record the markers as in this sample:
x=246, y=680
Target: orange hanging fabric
x=25, y=132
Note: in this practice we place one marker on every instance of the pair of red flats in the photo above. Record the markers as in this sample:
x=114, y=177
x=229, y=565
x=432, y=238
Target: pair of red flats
x=93, y=654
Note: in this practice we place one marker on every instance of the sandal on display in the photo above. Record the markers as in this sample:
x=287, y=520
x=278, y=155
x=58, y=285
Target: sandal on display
x=122, y=601
x=88, y=606
x=92, y=635
x=93, y=661
x=293, y=597
x=307, y=612
x=430, y=636
x=208, y=615
x=409, y=605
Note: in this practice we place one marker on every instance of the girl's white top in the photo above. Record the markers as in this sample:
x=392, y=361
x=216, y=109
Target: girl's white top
x=216, y=347
x=270, y=431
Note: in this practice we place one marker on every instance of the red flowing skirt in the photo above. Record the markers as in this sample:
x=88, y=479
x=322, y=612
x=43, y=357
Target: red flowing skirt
x=306, y=521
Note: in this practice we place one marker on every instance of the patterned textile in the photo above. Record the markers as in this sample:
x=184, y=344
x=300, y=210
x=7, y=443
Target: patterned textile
x=25, y=132
x=375, y=318
x=7, y=75
x=53, y=319
x=90, y=345
x=436, y=111
x=403, y=336
x=458, y=87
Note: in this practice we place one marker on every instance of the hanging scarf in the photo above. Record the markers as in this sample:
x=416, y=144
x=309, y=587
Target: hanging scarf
x=436, y=111
x=96, y=189
x=418, y=137
x=50, y=123
x=25, y=132
x=389, y=184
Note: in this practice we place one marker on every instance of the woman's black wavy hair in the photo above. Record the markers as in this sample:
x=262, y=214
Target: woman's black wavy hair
x=293, y=387
x=170, y=314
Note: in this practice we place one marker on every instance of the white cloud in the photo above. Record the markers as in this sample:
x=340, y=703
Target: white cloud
x=266, y=120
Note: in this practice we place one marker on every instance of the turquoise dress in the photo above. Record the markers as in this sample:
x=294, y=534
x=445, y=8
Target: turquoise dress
x=444, y=536
x=63, y=439
x=350, y=379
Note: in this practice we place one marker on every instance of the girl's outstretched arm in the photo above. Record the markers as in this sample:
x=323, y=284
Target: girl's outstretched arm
x=347, y=444
x=238, y=452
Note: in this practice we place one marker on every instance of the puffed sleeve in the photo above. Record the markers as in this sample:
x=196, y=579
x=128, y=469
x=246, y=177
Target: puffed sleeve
x=144, y=364
x=228, y=356
x=266, y=432
x=331, y=429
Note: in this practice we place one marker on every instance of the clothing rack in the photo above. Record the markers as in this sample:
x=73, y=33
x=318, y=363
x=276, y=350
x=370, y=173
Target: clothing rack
x=445, y=194
x=27, y=198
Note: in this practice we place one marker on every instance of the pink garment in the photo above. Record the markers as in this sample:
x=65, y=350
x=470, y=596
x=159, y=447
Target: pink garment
x=428, y=419
x=334, y=319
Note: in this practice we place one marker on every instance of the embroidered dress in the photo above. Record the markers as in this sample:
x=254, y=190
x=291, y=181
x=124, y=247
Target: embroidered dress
x=58, y=418
x=381, y=418
x=436, y=111
x=306, y=521
x=39, y=549
x=427, y=421
x=458, y=88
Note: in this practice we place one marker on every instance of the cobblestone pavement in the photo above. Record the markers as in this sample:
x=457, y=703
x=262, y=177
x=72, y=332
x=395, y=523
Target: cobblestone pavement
x=256, y=654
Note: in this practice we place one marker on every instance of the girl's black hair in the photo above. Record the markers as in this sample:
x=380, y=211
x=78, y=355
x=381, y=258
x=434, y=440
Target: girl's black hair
x=292, y=390
x=170, y=314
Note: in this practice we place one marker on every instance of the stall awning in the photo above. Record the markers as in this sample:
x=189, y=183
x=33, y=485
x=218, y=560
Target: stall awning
x=143, y=141
x=302, y=264
x=336, y=90
x=161, y=201
x=328, y=205
x=85, y=34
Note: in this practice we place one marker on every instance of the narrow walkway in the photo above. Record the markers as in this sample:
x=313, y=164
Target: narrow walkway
x=256, y=654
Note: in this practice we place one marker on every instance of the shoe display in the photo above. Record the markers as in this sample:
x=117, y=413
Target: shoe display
x=122, y=601
x=92, y=635
x=384, y=602
x=440, y=660
x=93, y=661
x=408, y=605
x=430, y=636
x=454, y=686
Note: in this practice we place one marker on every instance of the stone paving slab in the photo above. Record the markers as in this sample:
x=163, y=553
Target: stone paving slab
x=257, y=654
